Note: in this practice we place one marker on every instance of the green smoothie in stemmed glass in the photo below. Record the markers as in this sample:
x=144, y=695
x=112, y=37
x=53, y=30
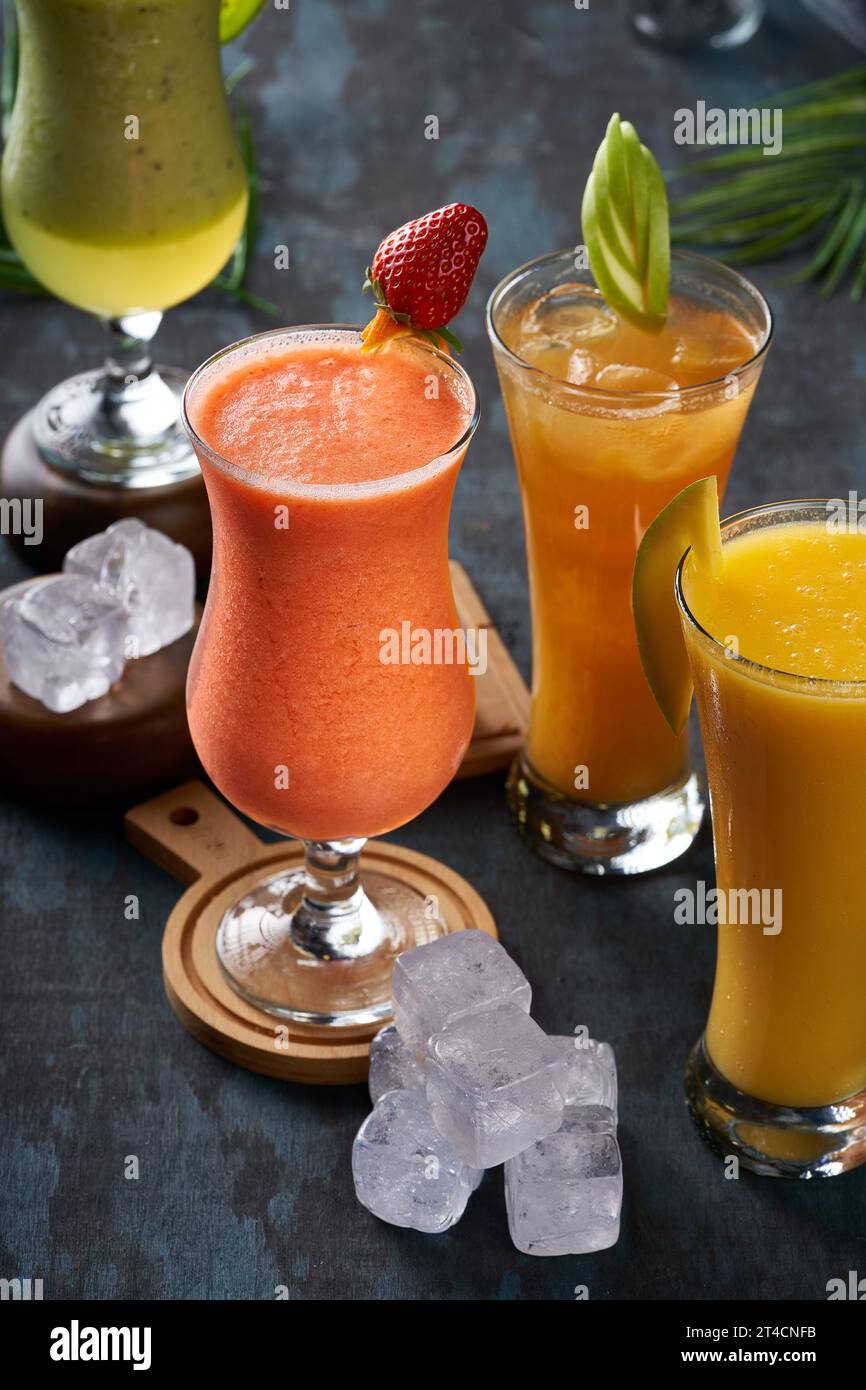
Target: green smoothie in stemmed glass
x=123, y=186
x=124, y=192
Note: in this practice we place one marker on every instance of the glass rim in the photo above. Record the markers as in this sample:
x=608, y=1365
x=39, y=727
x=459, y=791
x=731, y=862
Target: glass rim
x=324, y=491
x=597, y=392
x=807, y=685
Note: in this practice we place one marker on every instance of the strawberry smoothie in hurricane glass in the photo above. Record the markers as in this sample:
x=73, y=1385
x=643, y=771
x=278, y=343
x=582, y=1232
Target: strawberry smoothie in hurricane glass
x=330, y=457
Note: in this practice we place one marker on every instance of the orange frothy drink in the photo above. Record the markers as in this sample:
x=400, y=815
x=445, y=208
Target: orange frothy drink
x=330, y=475
x=780, y=678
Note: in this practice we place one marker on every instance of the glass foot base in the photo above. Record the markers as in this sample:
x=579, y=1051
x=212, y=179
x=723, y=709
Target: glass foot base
x=774, y=1140
x=134, y=441
x=714, y=24
x=591, y=839
x=272, y=959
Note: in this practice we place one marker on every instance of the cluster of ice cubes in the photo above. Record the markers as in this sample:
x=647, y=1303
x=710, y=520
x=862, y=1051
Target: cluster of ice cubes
x=123, y=594
x=464, y=1080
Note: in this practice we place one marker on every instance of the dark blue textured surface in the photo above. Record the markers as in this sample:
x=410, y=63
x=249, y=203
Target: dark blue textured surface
x=244, y=1182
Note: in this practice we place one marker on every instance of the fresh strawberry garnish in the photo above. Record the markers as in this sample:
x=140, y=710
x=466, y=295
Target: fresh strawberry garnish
x=422, y=272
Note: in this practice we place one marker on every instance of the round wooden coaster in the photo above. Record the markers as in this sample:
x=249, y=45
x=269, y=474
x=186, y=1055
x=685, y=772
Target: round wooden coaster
x=194, y=835
x=110, y=751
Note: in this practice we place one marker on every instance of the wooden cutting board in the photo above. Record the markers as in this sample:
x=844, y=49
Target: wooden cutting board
x=194, y=835
x=502, y=711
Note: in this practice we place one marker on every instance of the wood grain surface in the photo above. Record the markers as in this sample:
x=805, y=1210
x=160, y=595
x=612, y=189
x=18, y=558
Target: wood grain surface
x=193, y=834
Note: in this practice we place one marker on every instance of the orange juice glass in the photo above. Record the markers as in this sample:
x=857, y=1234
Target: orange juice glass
x=777, y=649
x=608, y=423
x=330, y=475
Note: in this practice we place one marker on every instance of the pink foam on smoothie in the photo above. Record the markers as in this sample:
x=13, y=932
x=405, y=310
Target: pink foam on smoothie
x=320, y=411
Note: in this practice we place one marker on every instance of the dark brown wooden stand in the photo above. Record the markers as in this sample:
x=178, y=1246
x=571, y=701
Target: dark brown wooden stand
x=72, y=509
x=132, y=741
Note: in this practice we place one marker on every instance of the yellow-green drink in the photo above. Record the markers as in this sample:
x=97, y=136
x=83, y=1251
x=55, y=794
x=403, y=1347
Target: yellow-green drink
x=124, y=192
x=123, y=185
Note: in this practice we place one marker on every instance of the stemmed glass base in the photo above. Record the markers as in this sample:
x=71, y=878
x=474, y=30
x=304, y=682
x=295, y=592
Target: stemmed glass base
x=714, y=24
x=774, y=1140
x=317, y=945
x=119, y=425
x=596, y=839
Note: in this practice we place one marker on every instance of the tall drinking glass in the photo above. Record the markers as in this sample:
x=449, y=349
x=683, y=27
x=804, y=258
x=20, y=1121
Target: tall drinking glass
x=312, y=702
x=124, y=192
x=608, y=423
x=779, y=1077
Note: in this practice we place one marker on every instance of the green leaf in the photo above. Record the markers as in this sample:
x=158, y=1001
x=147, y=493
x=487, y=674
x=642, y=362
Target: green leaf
x=241, y=71
x=626, y=227
x=450, y=338
x=810, y=196
x=849, y=77
x=859, y=284
x=768, y=246
x=802, y=148
x=854, y=235
x=834, y=236
x=245, y=296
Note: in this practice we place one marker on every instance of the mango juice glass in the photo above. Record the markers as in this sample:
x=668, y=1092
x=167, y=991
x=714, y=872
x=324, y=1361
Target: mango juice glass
x=779, y=1077
x=608, y=423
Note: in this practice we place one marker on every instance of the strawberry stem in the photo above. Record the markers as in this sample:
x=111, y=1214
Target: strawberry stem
x=382, y=328
x=390, y=323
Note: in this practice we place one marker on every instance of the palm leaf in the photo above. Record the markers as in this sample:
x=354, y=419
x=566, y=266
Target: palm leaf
x=810, y=197
x=859, y=284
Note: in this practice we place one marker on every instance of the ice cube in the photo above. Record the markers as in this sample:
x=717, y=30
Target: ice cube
x=591, y=1075
x=564, y=1193
x=405, y=1171
x=494, y=1083
x=437, y=982
x=569, y=314
x=392, y=1065
x=152, y=576
x=712, y=354
x=618, y=376
x=64, y=641
x=582, y=367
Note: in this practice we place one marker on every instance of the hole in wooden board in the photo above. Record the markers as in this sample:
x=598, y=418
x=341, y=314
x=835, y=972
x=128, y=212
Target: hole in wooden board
x=183, y=815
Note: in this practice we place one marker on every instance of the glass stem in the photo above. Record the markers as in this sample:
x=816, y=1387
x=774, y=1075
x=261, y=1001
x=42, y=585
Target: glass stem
x=129, y=359
x=336, y=920
x=136, y=403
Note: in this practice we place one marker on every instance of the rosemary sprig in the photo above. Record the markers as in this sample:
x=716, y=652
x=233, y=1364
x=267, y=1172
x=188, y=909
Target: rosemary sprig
x=809, y=197
x=15, y=276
